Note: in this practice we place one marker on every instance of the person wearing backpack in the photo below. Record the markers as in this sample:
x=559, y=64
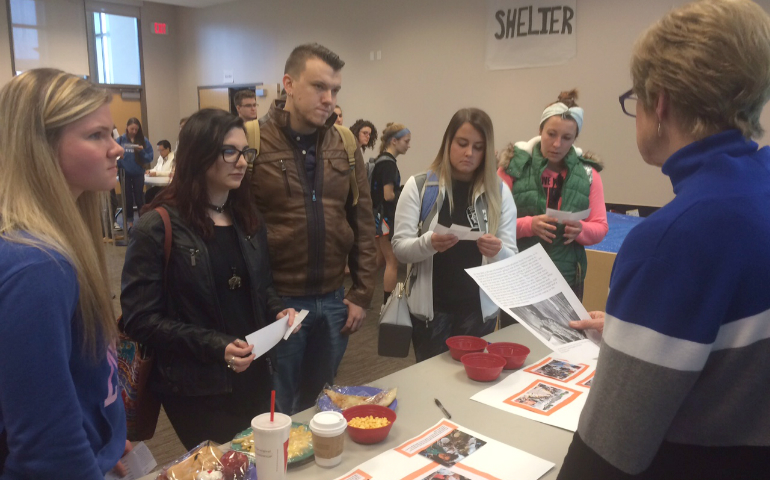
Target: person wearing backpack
x=385, y=187
x=461, y=187
x=314, y=195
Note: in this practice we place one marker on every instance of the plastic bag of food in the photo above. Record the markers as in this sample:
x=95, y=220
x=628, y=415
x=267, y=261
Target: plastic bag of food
x=208, y=462
x=300, y=444
x=338, y=397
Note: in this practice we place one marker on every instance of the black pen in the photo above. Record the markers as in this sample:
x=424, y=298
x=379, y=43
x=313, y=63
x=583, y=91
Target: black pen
x=438, y=404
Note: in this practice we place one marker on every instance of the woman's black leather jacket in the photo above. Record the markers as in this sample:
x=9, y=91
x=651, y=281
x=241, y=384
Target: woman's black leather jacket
x=183, y=326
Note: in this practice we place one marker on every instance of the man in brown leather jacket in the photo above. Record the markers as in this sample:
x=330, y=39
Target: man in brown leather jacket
x=301, y=184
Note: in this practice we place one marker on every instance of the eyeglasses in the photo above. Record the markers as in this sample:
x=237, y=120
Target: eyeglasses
x=231, y=154
x=628, y=103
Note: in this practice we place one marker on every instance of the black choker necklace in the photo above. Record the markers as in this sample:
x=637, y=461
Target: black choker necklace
x=216, y=208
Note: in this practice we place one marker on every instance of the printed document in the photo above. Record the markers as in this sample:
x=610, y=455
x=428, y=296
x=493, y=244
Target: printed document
x=529, y=287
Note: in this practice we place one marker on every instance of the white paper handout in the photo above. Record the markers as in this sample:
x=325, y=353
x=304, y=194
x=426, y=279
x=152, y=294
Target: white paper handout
x=138, y=462
x=553, y=391
x=448, y=449
x=529, y=287
x=463, y=233
x=573, y=216
x=267, y=337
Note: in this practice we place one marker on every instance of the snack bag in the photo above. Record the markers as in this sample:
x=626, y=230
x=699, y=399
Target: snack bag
x=207, y=462
x=345, y=397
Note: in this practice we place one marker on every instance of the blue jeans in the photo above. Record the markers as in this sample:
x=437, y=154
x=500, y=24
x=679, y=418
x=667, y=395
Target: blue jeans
x=309, y=358
x=134, y=196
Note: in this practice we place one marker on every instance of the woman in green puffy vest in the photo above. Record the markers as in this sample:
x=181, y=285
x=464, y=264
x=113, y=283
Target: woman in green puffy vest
x=548, y=172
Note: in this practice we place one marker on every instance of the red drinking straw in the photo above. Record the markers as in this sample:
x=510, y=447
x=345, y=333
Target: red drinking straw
x=272, y=405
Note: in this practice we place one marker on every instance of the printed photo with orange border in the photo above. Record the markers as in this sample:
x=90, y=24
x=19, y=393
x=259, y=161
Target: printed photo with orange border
x=543, y=398
x=435, y=471
x=586, y=382
x=358, y=475
x=560, y=370
x=416, y=445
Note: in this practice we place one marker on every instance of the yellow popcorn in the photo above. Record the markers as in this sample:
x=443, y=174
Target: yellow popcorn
x=369, y=422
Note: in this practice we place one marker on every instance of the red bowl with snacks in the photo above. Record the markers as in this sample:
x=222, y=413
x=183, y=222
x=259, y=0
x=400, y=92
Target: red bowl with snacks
x=463, y=344
x=483, y=367
x=514, y=354
x=368, y=435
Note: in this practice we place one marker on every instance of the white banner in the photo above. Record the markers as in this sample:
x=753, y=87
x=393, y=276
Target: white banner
x=530, y=33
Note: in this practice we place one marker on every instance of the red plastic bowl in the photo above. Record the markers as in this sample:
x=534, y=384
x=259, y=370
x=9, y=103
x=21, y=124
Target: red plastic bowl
x=514, y=354
x=464, y=344
x=369, y=435
x=483, y=367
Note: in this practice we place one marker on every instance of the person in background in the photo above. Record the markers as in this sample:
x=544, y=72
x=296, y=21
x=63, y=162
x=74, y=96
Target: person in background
x=165, y=161
x=338, y=112
x=680, y=390
x=313, y=224
x=444, y=299
x=246, y=104
x=138, y=153
x=219, y=288
x=164, y=165
x=61, y=412
x=386, y=186
x=548, y=172
x=365, y=133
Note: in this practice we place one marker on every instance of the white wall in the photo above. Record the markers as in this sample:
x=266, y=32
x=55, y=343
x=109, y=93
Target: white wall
x=161, y=73
x=432, y=64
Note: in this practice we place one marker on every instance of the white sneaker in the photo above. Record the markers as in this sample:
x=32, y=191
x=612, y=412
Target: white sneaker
x=115, y=226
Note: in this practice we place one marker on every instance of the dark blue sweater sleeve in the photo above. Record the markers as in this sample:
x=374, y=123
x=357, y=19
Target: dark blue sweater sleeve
x=147, y=153
x=39, y=406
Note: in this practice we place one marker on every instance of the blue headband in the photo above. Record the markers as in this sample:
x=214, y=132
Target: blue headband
x=401, y=133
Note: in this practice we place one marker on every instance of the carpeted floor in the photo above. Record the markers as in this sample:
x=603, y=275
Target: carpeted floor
x=360, y=365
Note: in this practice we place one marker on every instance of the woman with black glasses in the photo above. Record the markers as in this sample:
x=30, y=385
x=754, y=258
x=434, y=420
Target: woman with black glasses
x=219, y=286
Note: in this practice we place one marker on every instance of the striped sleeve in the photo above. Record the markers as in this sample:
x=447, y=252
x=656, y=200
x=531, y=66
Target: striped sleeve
x=647, y=367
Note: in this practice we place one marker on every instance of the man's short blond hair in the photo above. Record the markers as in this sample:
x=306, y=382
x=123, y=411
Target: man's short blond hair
x=712, y=59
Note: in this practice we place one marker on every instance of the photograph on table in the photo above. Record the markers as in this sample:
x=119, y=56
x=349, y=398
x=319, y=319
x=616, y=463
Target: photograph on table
x=560, y=370
x=551, y=317
x=445, y=474
x=357, y=475
x=543, y=398
x=586, y=382
x=452, y=448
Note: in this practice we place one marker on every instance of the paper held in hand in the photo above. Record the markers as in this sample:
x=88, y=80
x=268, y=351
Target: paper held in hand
x=267, y=337
x=573, y=216
x=463, y=233
x=529, y=287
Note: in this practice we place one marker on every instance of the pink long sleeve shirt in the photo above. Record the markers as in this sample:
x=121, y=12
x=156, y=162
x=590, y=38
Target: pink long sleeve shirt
x=594, y=227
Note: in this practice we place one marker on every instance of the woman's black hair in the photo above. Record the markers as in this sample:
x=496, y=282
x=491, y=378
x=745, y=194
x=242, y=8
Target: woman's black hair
x=200, y=146
x=139, y=134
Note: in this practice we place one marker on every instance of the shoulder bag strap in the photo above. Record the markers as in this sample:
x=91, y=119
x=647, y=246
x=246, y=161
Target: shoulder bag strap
x=166, y=244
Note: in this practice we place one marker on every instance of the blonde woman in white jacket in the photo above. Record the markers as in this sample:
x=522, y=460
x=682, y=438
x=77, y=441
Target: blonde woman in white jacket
x=461, y=187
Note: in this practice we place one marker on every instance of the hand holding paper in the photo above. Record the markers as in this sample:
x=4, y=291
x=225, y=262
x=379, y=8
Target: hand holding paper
x=561, y=216
x=544, y=226
x=266, y=338
x=462, y=233
x=442, y=242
